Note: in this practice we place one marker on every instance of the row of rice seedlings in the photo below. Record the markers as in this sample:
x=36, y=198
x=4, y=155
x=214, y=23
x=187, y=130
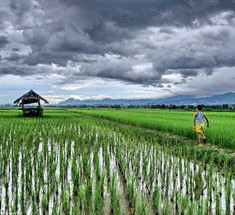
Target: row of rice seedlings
x=56, y=165
x=117, y=185
x=136, y=199
x=37, y=172
x=203, y=154
x=185, y=172
x=115, y=199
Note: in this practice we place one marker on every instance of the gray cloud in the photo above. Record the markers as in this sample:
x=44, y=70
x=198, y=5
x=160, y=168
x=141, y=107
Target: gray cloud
x=3, y=41
x=14, y=57
x=15, y=49
x=132, y=41
x=14, y=71
x=188, y=73
x=138, y=13
x=19, y=70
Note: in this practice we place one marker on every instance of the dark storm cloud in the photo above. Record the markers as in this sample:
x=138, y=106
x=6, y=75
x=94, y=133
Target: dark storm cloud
x=188, y=73
x=14, y=57
x=139, y=13
x=133, y=41
x=3, y=41
x=22, y=70
x=14, y=71
x=15, y=49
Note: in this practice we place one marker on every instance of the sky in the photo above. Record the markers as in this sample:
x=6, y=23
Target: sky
x=95, y=49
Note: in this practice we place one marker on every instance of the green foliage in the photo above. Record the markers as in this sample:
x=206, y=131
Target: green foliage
x=156, y=200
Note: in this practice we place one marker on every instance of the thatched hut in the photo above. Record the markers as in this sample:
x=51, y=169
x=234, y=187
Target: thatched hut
x=30, y=98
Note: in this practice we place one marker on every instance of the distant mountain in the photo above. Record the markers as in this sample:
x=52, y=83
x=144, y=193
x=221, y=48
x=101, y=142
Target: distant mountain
x=219, y=99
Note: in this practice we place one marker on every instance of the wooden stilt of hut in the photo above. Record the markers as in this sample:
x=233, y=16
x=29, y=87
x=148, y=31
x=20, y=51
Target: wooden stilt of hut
x=30, y=98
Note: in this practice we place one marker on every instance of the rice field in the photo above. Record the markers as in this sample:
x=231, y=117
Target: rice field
x=68, y=163
x=221, y=132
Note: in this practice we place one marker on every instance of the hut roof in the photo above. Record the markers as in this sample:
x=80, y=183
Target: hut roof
x=30, y=97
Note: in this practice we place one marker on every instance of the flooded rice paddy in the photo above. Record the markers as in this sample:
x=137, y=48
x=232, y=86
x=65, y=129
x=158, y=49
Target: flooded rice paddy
x=84, y=168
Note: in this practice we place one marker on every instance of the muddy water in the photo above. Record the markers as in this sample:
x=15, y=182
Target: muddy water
x=164, y=165
x=157, y=168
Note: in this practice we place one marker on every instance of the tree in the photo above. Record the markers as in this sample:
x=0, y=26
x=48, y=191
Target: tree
x=225, y=106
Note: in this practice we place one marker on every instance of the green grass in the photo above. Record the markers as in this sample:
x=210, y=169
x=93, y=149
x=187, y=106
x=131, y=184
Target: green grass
x=220, y=133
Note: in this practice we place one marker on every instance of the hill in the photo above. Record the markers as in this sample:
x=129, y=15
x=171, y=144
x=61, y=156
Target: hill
x=218, y=99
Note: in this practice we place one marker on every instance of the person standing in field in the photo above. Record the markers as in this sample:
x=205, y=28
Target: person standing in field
x=199, y=124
